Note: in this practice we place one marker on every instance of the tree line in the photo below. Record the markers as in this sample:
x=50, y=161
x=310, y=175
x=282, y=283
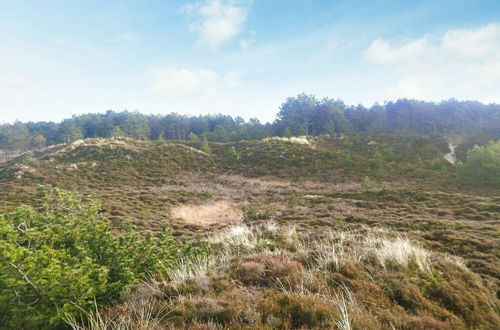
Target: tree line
x=301, y=115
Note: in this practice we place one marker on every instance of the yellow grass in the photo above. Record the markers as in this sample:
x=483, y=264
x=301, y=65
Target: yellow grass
x=202, y=215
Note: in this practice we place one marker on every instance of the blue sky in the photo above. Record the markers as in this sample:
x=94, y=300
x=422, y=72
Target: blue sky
x=241, y=57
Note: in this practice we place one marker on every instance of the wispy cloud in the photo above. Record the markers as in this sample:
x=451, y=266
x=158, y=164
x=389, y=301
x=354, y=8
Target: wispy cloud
x=193, y=83
x=249, y=40
x=380, y=51
x=173, y=81
x=217, y=21
x=129, y=36
x=463, y=62
x=327, y=51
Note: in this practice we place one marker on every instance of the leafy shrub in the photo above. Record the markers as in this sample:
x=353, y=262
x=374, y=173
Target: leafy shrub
x=390, y=155
x=63, y=258
x=231, y=153
x=367, y=183
x=205, y=147
x=482, y=167
x=435, y=164
x=377, y=161
x=193, y=137
x=254, y=212
x=345, y=142
x=28, y=158
x=328, y=154
x=205, y=194
x=346, y=158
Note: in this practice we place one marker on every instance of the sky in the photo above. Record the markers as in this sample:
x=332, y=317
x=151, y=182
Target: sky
x=240, y=57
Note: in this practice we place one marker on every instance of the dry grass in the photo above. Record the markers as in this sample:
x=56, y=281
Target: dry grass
x=188, y=269
x=275, y=276
x=401, y=251
x=207, y=214
x=142, y=314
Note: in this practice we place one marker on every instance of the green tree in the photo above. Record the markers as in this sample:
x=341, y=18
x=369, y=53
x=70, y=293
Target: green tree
x=377, y=160
x=297, y=114
x=117, y=132
x=70, y=131
x=482, y=166
x=205, y=147
x=231, y=153
x=160, y=139
x=137, y=126
x=15, y=136
x=38, y=141
x=193, y=137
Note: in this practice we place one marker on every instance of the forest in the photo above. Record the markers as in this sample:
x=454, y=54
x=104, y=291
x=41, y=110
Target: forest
x=301, y=115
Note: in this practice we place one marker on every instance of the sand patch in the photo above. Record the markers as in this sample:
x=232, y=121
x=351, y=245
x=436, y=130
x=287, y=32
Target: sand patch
x=202, y=215
x=294, y=139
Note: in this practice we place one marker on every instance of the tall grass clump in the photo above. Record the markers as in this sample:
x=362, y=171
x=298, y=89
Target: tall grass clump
x=400, y=251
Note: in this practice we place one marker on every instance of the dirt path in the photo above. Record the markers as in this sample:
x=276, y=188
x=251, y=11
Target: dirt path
x=451, y=156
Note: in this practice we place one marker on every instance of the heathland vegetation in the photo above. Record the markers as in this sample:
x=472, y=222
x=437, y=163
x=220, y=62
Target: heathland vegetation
x=330, y=217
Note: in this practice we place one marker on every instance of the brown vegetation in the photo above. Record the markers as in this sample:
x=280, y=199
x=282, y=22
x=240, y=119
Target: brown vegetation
x=300, y=239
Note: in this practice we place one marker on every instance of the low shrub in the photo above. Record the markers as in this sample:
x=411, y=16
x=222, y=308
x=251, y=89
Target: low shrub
x=328, y=154
x=231, y=153
x=28, y=158
x=63, y=258
x=296, y=311
x=268, y=270
x=367, y=183
x=254, y=212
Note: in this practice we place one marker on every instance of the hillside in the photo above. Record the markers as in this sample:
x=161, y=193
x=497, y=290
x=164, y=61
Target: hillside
x=344, y=230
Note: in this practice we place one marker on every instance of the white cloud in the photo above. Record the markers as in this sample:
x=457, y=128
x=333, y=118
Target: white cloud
x=462, y=63
x=232, y=79
x=217, y=21
x=421, y=85
x=129, y=36
x=201, y=84
x=174, y=81
x=474, y=43
x=380, y=51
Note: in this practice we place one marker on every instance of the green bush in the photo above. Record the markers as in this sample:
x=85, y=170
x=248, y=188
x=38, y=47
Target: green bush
x=377, y=161
x=328, y=154
x=193, y=137
x=231, y=153
x=482, y=166
x=435, y=164
x=63, y=258
x=346, y=158
x=345, y=142
x=205, y=147
x=254, y=212
x=367, y=183
x=28, y=158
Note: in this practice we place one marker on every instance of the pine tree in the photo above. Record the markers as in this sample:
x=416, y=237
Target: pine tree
x=193, y=137
x=231, y=153
x=205, y=147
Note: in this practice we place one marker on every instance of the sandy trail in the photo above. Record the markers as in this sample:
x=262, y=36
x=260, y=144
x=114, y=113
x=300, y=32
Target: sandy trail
x=451, y=156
